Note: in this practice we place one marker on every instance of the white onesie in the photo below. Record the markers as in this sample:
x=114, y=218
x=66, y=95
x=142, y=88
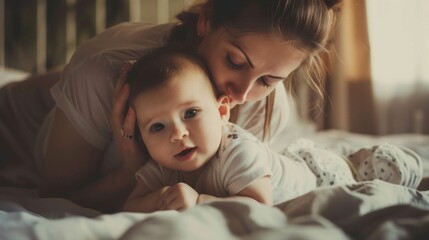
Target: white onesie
x=303, y=166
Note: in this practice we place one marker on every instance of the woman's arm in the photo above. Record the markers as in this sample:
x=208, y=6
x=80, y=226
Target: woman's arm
x=259, y=190
x=71, y=170
x=72, y=165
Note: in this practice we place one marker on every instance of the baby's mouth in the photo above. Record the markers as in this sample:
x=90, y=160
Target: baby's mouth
x=185, y=153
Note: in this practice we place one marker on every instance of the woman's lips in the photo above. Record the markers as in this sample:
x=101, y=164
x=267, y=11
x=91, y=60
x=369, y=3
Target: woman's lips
x=186, y=154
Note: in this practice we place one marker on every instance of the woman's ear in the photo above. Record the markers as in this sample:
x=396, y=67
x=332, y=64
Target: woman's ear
x=224, y=107
x=203, y=23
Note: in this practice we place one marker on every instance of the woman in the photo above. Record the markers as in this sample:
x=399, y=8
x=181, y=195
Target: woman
x=250, y=46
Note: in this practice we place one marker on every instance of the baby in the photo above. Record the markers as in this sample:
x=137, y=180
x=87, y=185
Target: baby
x=198, y=156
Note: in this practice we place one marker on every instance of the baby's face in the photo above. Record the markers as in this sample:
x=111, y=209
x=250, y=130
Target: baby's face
x=180, y=121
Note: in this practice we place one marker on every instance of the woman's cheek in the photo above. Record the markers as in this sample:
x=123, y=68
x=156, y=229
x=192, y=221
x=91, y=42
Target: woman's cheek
x=260, y=92
x=257, y=94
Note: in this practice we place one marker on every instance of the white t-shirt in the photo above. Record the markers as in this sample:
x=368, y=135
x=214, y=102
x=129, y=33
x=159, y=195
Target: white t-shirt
x=240, y=160
x=85, y=91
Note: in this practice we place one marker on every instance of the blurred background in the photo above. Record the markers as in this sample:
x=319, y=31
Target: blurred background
x=378, y=81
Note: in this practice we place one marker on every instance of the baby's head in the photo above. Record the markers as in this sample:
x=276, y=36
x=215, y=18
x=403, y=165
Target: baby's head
x=179, y=116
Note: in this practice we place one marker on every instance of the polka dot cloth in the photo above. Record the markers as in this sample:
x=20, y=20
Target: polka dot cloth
x=385, y=162
x=388, y=163
x=328, y=167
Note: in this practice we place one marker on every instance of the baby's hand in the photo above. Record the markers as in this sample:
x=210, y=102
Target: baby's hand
x=178, y=197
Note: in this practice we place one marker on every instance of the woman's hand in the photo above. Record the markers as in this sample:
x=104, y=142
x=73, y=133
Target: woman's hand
x=123, y=126
x=178, y=197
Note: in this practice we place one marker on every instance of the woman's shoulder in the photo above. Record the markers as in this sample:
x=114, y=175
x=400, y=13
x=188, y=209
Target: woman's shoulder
x=123, y=41
x=101, y=58
x=137, y=32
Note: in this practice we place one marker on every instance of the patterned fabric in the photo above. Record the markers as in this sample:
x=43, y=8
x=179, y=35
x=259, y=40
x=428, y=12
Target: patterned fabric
x=385, y=162
x=328, y=167
x=388, y=163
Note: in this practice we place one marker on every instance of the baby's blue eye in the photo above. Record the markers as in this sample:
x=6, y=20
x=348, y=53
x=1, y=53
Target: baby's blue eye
x=191, y=113
x=156, y=127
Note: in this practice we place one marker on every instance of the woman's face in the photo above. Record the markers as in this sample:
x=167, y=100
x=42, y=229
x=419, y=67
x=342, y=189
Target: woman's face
x=248, y=67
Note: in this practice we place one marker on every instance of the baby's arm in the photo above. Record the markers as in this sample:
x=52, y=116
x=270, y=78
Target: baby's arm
x=244, y=171
x=142, y=199
x=177, y=197
x=181, y=196
x=259, y=190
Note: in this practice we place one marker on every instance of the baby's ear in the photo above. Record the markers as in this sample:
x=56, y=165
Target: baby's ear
x=224, y=107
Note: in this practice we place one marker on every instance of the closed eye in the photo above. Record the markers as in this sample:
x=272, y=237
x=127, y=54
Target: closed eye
x=263, y=82
x=234, y=64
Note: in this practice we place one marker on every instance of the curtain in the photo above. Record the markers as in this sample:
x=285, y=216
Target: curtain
x=380, y=80
x=350, y=105
x=399, y=40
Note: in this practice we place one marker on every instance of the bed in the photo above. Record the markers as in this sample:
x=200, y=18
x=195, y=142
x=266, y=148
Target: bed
x=366, y=210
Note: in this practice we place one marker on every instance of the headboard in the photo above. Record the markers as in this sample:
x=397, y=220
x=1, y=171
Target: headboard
x=39, y=35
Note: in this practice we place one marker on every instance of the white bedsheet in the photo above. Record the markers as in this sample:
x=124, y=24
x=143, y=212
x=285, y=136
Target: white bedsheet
x=370, y=210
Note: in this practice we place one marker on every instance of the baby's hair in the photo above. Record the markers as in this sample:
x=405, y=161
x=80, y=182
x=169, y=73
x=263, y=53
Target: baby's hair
x=160, y=65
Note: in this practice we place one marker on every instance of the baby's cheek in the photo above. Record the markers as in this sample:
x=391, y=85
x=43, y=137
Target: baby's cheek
x=215, y=137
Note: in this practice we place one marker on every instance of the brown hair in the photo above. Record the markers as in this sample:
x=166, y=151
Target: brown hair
x=306, y=23
x=158, y=66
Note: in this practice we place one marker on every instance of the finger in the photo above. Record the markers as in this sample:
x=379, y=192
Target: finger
x=170, y=190
x=163, y=205
x=161, y=202
x=130, y=121
x=175, y=204
x=167, y=198
x=161, y=196
x=120, y=105
x=121, y=79
x=118, y=85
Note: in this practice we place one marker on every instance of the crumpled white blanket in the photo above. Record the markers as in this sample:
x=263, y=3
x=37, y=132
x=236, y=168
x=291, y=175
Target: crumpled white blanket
x=365, y=210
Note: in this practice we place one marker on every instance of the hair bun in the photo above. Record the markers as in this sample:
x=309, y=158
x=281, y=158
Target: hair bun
x=331, y=3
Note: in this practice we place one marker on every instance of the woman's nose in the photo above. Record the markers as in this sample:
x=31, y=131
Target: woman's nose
x=179, y=131
x=238, y=91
